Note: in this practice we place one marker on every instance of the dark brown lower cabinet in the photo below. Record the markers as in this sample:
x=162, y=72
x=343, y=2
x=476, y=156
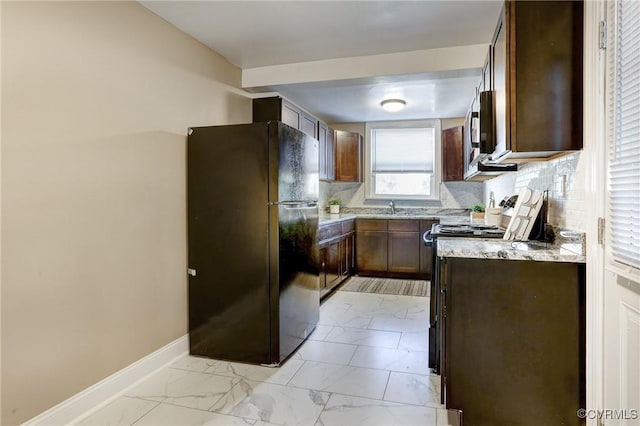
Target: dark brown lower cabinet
x=372, y=249
x=336, y=254
x=348, y=254
x=393, y=248
x=404, y=252
x=333, y=266
x=513, y=341
x=404, y=246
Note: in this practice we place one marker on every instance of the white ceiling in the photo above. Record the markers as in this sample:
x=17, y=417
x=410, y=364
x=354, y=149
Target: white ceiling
x=348, y=101
x=265, y=33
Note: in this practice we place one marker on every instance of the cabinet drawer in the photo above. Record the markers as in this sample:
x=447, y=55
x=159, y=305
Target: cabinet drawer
x=329, y=231
x=371, y=224
x=404, y=225
x=348, y=226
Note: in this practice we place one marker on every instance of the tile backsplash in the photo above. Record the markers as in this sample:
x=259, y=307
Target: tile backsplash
x=453, y=195
x=565, y=211
x=566, y=208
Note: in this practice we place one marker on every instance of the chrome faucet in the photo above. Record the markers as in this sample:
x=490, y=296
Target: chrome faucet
x=392, y=204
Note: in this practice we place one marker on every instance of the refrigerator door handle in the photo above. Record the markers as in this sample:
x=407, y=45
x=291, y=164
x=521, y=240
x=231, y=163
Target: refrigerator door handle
x=296, y=204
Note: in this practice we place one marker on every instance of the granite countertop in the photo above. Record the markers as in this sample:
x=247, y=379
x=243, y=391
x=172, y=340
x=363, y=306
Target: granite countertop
x=327, y=219
x=446, y=216
x=569, y=251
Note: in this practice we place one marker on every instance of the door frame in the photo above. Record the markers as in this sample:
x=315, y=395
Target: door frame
x=594, y=155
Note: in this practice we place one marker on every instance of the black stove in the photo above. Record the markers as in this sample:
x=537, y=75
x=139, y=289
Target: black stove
x=430, y=239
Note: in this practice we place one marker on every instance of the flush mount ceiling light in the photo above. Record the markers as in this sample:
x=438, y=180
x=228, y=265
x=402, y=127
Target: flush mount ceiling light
x=393, y=105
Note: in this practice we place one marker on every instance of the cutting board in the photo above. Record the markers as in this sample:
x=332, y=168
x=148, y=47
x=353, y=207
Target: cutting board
x=525, y=213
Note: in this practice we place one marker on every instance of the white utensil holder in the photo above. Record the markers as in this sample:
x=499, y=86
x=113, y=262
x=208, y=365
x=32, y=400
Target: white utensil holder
x=493, y=216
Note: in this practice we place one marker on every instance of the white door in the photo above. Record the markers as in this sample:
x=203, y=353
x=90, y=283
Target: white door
x=622, y=244
x=622, y=349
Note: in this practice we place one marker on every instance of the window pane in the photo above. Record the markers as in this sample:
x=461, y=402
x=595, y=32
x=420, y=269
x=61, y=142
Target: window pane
x=402, y=184
x=624, y=164
x=403, y=149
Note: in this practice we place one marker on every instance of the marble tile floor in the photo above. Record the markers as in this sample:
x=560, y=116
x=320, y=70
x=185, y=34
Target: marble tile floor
x=365, y=364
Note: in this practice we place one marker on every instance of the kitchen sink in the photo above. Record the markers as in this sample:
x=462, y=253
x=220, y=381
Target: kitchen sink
x=402, y=214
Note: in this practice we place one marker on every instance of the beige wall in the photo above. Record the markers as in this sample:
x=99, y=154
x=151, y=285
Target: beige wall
x=349, y=127
x=96, y=101
x=448, y=123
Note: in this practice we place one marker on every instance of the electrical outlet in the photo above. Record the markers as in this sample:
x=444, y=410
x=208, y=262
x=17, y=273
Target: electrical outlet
x=559, y=186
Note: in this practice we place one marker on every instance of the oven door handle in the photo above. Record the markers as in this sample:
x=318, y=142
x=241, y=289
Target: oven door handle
x=428, y=239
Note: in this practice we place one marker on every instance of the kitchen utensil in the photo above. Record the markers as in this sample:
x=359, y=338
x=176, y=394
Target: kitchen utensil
x=493, y=216
x=525, y=212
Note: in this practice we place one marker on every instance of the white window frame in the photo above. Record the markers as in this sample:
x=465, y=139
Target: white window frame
x=437, y=162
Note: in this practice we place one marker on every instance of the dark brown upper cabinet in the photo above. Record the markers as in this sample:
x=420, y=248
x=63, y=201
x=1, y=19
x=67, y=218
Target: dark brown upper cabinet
x=452, y=155
x=348, y=156
x=277, y=108
x=537, y=66
x=308, y=124
x=326, y=136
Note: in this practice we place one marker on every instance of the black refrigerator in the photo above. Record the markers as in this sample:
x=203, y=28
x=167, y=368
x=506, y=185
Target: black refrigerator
x=252, y=199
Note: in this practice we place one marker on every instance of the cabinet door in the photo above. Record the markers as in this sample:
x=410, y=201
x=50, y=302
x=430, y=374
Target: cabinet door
x=323, y=266
x=514, y=315
x=331, y=154
x=348, y=156
x=333, y=264
x=487, y=83
x=267, y=109
x=545, y=45
x=308, y=124
x=371, y=251
x=500, y=87
x=404, y=252
x=442, y=301
x=348, y=254
x=452, y=154
x=291, y=115
x=326, y=138
x=323, y=129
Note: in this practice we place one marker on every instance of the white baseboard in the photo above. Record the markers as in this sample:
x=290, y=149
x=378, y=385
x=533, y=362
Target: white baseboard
x=106, y=390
